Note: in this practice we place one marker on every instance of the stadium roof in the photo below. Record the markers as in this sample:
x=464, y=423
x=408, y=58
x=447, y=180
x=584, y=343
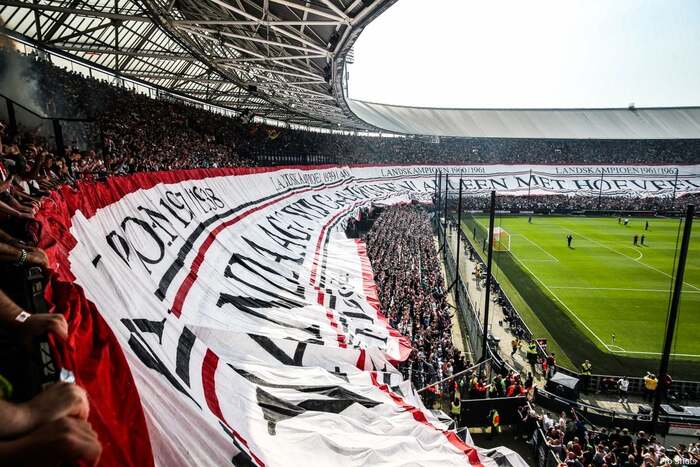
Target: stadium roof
x=285, y=60
x=627, y=123
x=277, y=59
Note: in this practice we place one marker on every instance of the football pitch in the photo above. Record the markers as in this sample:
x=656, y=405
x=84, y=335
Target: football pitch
x=603, y=298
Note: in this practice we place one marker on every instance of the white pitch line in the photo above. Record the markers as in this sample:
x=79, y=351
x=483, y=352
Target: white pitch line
x=622, y=254
x=543, y=250
x=579, y=319
x=622, y=289
x=657, y=353
x=561, y=301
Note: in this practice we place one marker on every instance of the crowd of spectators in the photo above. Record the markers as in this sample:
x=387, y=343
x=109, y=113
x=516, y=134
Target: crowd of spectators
x=37, y=426
x=133, y=132
x=577, y=445
x=411, y=290
x=568, y=204
x=126, y=132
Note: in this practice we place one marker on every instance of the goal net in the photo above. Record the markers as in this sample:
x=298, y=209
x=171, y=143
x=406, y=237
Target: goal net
x=501, y=240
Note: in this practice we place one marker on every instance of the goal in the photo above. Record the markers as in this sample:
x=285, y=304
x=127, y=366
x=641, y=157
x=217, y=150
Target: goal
x=501, y=239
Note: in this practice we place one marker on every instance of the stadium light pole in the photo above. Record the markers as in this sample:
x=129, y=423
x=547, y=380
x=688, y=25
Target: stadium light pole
x=673, y=312
x=489, y=262
x=459, y=226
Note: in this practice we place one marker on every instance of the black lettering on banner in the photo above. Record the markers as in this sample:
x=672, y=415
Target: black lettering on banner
x=204, y=199
x=583, y=184
x=217, y=202
x=495, y=183
x=620, y=184
x=171, y=197
x=640, y=184
x=250, y=305
x=276, y=256
x=354, y=315
x=184, y=351
x=293, y=227
x=145, y=353
x=149, y=230
x=293, y=210
x=481, y=184
x=560, y=183
x=281, y=241
x=658, y=184
x=173, y=213
x=195, y=201
x=304, y=203
x=367, y=333
x=156, y=219
x=122, y=252
x=275, y=409
x=602, y=183
x=270, y=347
x=179, y=262
x=244, y=261
x=319, y=197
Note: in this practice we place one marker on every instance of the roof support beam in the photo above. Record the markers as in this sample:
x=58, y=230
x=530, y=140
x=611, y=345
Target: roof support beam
x=254, y=39
x=151, y=29
x=293, y=35
x=310, y=10
x=224, y=22
x=61, y=19
x=268, y=59
x=75, y=11
x=80, y=33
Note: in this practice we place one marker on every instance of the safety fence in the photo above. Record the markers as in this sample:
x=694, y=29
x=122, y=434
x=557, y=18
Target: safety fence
x=514, y=320
x=466, y=313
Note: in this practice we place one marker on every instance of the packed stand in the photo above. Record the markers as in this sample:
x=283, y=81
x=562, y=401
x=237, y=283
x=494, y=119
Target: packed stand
x=411, y=290
x=563, y=204
x=131, y=132
x=576, y=445
x=124, y=132
x=39, y=425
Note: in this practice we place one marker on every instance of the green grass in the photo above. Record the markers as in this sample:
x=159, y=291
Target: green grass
x=579, y=297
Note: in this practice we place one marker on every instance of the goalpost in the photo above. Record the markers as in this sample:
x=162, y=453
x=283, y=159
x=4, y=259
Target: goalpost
x=501, y=239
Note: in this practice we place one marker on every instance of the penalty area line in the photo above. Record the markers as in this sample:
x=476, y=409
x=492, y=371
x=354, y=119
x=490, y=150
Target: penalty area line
x=554, y=258
x=560, y=300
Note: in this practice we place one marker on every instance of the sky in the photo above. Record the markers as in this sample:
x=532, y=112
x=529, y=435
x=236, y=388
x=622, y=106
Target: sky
x=531, y=54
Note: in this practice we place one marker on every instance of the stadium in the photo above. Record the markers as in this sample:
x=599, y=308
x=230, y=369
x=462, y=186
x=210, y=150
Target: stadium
x=220, y=246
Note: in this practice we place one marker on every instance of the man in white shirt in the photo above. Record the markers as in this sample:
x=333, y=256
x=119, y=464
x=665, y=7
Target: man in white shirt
x=623, y=385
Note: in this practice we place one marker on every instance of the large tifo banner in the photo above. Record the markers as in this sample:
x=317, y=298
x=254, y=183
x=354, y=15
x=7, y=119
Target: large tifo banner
x=586, y=180
x=221, y=317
